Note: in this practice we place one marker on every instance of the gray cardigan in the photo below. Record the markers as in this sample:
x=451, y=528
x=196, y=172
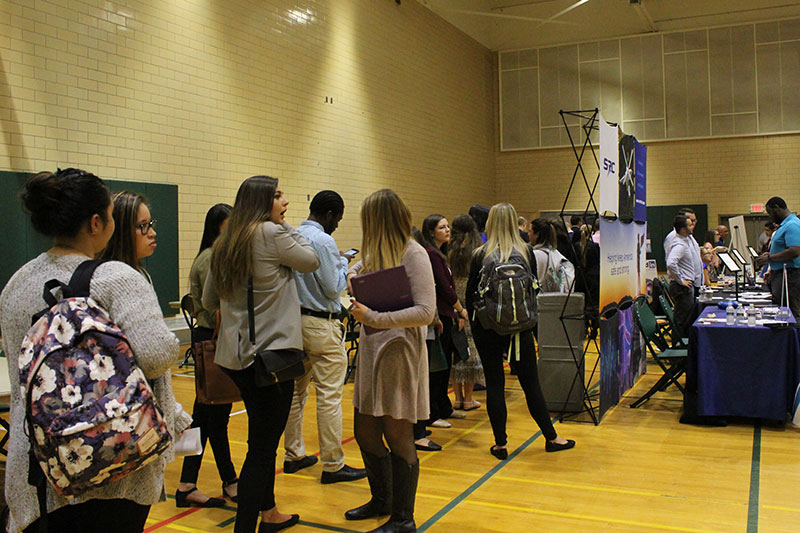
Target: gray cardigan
x=277, y=249
x=132, y=303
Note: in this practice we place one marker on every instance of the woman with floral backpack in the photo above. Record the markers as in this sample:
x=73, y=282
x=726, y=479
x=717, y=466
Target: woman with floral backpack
x=74, y=208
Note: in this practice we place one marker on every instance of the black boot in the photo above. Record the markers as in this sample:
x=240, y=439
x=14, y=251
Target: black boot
x=404, y=492
x=379, y=475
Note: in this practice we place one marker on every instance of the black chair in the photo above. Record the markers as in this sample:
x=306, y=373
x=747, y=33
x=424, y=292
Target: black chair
x=671, y=360
x=352, y=330
x=5, y=424
x=187, y=308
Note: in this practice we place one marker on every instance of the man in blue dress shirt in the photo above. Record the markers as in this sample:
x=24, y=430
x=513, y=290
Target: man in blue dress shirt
x=323, y=341
x=783, y=255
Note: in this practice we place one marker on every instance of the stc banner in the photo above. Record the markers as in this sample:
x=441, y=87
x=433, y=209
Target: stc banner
x=608, y=202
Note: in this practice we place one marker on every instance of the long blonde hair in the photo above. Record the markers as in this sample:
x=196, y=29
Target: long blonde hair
x=502, y=233
x=232, y=258
x=386, y=230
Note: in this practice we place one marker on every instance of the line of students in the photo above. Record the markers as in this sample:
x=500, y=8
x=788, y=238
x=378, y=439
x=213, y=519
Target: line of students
x=252, y=241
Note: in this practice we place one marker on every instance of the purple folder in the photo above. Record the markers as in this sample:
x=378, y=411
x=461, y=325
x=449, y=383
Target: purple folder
x=383, y=290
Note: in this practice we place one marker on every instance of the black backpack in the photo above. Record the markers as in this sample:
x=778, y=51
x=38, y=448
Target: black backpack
x=505, y=301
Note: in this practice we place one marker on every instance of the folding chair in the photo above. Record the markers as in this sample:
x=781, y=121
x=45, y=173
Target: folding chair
x=4, y=408
x=187, y=308
x=664, y=283
x=352, y=330
x=671, y=360
x=669, y=312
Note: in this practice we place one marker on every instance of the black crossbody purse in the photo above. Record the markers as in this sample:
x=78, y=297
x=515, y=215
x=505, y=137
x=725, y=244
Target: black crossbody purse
x=272, y=366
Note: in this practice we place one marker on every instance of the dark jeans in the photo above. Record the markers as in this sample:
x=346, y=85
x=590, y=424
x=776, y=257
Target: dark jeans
x=267, y=412
x=684, y=310
x=96, y=516
x=213, y=423
x=491, y=348
x=776, y=286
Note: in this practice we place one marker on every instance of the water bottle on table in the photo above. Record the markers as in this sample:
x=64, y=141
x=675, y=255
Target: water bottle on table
x=730, y=314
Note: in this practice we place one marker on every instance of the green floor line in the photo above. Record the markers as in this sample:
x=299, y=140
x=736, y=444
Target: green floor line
x=755, y=471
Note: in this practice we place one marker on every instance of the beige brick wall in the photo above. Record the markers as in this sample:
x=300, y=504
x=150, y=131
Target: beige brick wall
x=203, y=94
x=726, y=174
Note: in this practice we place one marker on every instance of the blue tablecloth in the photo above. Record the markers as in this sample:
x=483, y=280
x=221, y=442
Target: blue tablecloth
x=741, y=371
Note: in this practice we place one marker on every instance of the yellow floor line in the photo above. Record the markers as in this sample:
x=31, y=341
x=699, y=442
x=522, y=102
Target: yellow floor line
x=779, y=508
x=594, y=488
x=585, y=517
x=434, y=496
x=179, y=527
x=448, y=471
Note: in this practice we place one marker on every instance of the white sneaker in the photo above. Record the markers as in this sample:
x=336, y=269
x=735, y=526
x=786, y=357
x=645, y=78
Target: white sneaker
x=458, y=414
x=439, y=423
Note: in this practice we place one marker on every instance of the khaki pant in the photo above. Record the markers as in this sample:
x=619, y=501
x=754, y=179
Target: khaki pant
x=323, y=341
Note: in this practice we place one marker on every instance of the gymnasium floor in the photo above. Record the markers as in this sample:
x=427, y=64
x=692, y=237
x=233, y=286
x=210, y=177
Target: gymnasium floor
x=639, y=470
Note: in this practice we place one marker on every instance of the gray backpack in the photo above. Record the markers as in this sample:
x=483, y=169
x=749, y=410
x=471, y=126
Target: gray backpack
x=559, y=275
x=506, y=294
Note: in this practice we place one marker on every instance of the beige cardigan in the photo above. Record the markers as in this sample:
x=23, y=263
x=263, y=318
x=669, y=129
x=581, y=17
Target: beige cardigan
x=392, y=363
x=277, y=249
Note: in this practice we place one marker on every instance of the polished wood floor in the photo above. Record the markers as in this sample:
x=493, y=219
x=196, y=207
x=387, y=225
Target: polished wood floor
x=639, y=470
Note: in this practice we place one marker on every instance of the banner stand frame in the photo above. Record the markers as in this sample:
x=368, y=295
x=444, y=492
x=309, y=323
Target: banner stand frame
x=589, y=123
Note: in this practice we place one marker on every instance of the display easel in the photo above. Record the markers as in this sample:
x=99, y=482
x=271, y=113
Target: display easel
x=589, y=123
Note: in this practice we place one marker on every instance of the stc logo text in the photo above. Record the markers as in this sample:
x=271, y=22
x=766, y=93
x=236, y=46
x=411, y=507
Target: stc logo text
x=608, y=166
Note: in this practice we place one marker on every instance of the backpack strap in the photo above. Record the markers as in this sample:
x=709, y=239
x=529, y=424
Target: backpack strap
x=82, y=277
x=78, y=285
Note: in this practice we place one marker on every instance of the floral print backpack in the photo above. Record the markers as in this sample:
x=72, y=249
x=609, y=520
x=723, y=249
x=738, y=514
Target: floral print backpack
x=90, y=414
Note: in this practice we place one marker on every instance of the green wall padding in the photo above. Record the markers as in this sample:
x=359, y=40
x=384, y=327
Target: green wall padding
x=659, y=223
x=21, y=243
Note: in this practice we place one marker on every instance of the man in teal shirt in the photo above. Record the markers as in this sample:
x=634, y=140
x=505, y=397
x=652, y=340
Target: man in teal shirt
x=784, y=255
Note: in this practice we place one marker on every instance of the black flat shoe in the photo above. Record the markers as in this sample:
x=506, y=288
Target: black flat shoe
x=551, y=446
x=290, y=467
x=500, y=453
x=270, y=527
x=182, y=500
x=225, y=485
x=430, y=447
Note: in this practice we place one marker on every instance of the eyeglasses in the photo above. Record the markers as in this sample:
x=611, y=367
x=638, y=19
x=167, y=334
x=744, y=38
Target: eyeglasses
x=145, y=227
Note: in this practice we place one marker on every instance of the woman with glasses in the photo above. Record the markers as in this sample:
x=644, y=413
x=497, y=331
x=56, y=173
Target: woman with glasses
x=134, y=238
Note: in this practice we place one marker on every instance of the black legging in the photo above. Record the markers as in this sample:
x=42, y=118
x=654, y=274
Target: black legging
x=441, y=407
x=439, y=382
x=491, y=348
x=267, y=412
x=213, y=423
x=370, y=432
